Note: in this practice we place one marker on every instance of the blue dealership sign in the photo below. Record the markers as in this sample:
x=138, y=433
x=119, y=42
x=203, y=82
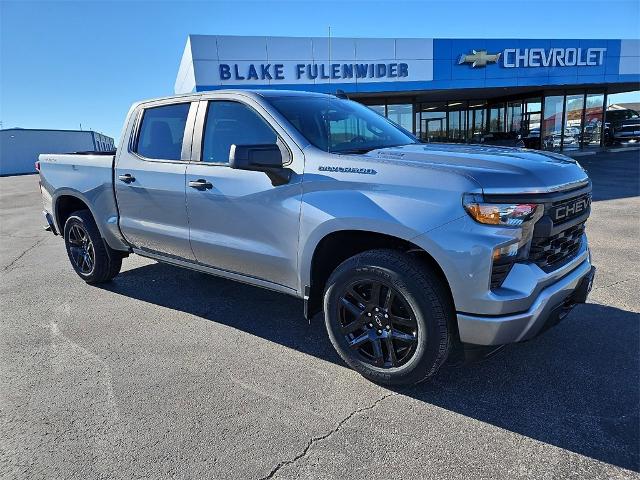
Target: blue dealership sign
x=402, y=64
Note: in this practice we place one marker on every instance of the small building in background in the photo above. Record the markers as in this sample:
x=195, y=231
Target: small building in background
x=20, y=147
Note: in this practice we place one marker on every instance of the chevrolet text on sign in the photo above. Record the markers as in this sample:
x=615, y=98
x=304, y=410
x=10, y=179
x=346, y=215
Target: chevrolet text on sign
x=553, y=57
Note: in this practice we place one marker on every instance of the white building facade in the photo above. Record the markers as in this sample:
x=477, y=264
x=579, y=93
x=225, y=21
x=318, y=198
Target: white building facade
x=20, y=147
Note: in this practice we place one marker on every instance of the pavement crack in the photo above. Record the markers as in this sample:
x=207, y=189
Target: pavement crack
x=27, y=250
x=614, y=283
x=315, y=440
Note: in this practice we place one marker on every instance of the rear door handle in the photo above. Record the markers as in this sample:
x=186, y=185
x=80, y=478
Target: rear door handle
x=127, y=178
x=200, y=184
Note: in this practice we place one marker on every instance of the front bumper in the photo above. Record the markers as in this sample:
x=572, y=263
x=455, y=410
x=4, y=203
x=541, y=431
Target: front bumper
x=551, y=305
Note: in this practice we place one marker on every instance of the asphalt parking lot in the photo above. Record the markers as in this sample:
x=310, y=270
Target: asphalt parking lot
x=170, y=373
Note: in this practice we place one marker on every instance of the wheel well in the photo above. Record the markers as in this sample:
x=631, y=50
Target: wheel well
x=336, y=247
x=65, y=206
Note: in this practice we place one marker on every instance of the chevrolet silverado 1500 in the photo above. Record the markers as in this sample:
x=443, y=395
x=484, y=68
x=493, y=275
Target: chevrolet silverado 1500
x=412, y=251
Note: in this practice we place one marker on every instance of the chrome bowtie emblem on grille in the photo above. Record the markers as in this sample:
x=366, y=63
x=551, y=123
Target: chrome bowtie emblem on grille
x=479, y=58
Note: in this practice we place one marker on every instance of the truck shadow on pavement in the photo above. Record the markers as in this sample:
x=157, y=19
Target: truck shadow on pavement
x=614, y=175
x=576, y=387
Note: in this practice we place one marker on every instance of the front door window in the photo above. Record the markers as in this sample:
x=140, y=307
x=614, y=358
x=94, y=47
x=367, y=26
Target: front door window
x=230, y=123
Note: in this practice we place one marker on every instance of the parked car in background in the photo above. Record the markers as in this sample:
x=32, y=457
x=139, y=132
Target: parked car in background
x=553, y=141
x=621, y=125
x=592, y=131
x=504, y=139
x=531, y=138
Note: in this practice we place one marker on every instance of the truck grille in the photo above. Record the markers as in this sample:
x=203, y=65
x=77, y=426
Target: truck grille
x=551, y=252
x=566, y=210
x=557, y=235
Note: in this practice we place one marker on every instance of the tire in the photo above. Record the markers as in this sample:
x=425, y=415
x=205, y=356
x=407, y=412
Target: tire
x=417, y=322
x=92, y=259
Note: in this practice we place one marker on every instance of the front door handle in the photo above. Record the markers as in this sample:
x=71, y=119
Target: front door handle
x=200, y=184
x=127, y=178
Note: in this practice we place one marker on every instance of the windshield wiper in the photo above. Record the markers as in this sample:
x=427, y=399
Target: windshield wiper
x=363, y=150
x=357, y=150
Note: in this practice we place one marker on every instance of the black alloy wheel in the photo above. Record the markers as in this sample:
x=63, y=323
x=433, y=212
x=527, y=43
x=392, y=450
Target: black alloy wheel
x=90, y=256
x=378, y=323
x=81, y=250
x=388, y=315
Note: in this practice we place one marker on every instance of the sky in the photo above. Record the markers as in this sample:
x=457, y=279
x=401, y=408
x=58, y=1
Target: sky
x=66, y=64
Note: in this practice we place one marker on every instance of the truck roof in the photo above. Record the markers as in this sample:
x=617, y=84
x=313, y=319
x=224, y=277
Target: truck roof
x=246, y=91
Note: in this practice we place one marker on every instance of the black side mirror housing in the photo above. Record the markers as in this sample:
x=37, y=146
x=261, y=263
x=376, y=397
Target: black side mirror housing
x=267, y=158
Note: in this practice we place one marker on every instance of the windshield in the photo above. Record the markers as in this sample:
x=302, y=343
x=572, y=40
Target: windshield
x=619, y=115
x=340, y=126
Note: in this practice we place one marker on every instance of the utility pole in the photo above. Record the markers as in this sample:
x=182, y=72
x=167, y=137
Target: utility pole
x=329, y=52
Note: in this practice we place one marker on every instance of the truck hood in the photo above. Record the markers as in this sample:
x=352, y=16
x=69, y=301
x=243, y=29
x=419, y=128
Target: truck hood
x=494, y=169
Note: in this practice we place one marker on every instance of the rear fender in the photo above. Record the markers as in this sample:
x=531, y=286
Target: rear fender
x=102, y=206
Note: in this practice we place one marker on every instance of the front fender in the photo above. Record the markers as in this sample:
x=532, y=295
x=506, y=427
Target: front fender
x=314, y=237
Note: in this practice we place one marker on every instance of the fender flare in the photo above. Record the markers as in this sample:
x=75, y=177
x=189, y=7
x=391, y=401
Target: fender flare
x=334, y=225
x=115, y=242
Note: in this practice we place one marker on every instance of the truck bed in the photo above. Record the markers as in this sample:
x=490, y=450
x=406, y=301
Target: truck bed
x=87, y=176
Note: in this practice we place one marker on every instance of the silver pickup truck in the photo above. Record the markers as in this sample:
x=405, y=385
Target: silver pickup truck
x=414, y=252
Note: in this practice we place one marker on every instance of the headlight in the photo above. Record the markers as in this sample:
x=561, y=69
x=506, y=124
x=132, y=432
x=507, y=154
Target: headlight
x=522, y=216
x=505, y=214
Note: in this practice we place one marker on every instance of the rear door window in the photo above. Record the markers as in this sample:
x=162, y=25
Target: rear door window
x=162, y=132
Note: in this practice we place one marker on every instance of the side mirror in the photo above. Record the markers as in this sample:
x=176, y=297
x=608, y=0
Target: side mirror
x=255, y=157
x=265, y=158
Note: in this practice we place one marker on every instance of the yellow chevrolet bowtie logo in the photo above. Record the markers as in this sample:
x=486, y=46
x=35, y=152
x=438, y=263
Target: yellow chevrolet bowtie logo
x=479, y=58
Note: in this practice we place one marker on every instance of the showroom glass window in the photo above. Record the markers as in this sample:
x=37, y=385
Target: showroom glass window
x=476, y=122
x=457, y=125
x=531, y=122
x=621, y=118
x=592, y=129
x=378, y=109
x=496, y=118
x=431, y=122
x=514, y=116
x=162, y=132
x=230, y=123
x=402, y=115
x=552, y=123
x=573, y=122
x=457, y=119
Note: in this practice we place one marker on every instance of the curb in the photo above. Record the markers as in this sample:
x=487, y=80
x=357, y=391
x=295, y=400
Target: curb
x=604, y=150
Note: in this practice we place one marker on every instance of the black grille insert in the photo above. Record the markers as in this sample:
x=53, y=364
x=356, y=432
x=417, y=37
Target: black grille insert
x=499, y=272
x=552, y=252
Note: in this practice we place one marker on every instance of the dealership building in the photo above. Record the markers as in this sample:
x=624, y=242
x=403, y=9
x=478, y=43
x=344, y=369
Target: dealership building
x=558, y=95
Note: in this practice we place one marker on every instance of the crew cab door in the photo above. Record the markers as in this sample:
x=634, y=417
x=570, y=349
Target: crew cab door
x=150, y=179
x=239, y=221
